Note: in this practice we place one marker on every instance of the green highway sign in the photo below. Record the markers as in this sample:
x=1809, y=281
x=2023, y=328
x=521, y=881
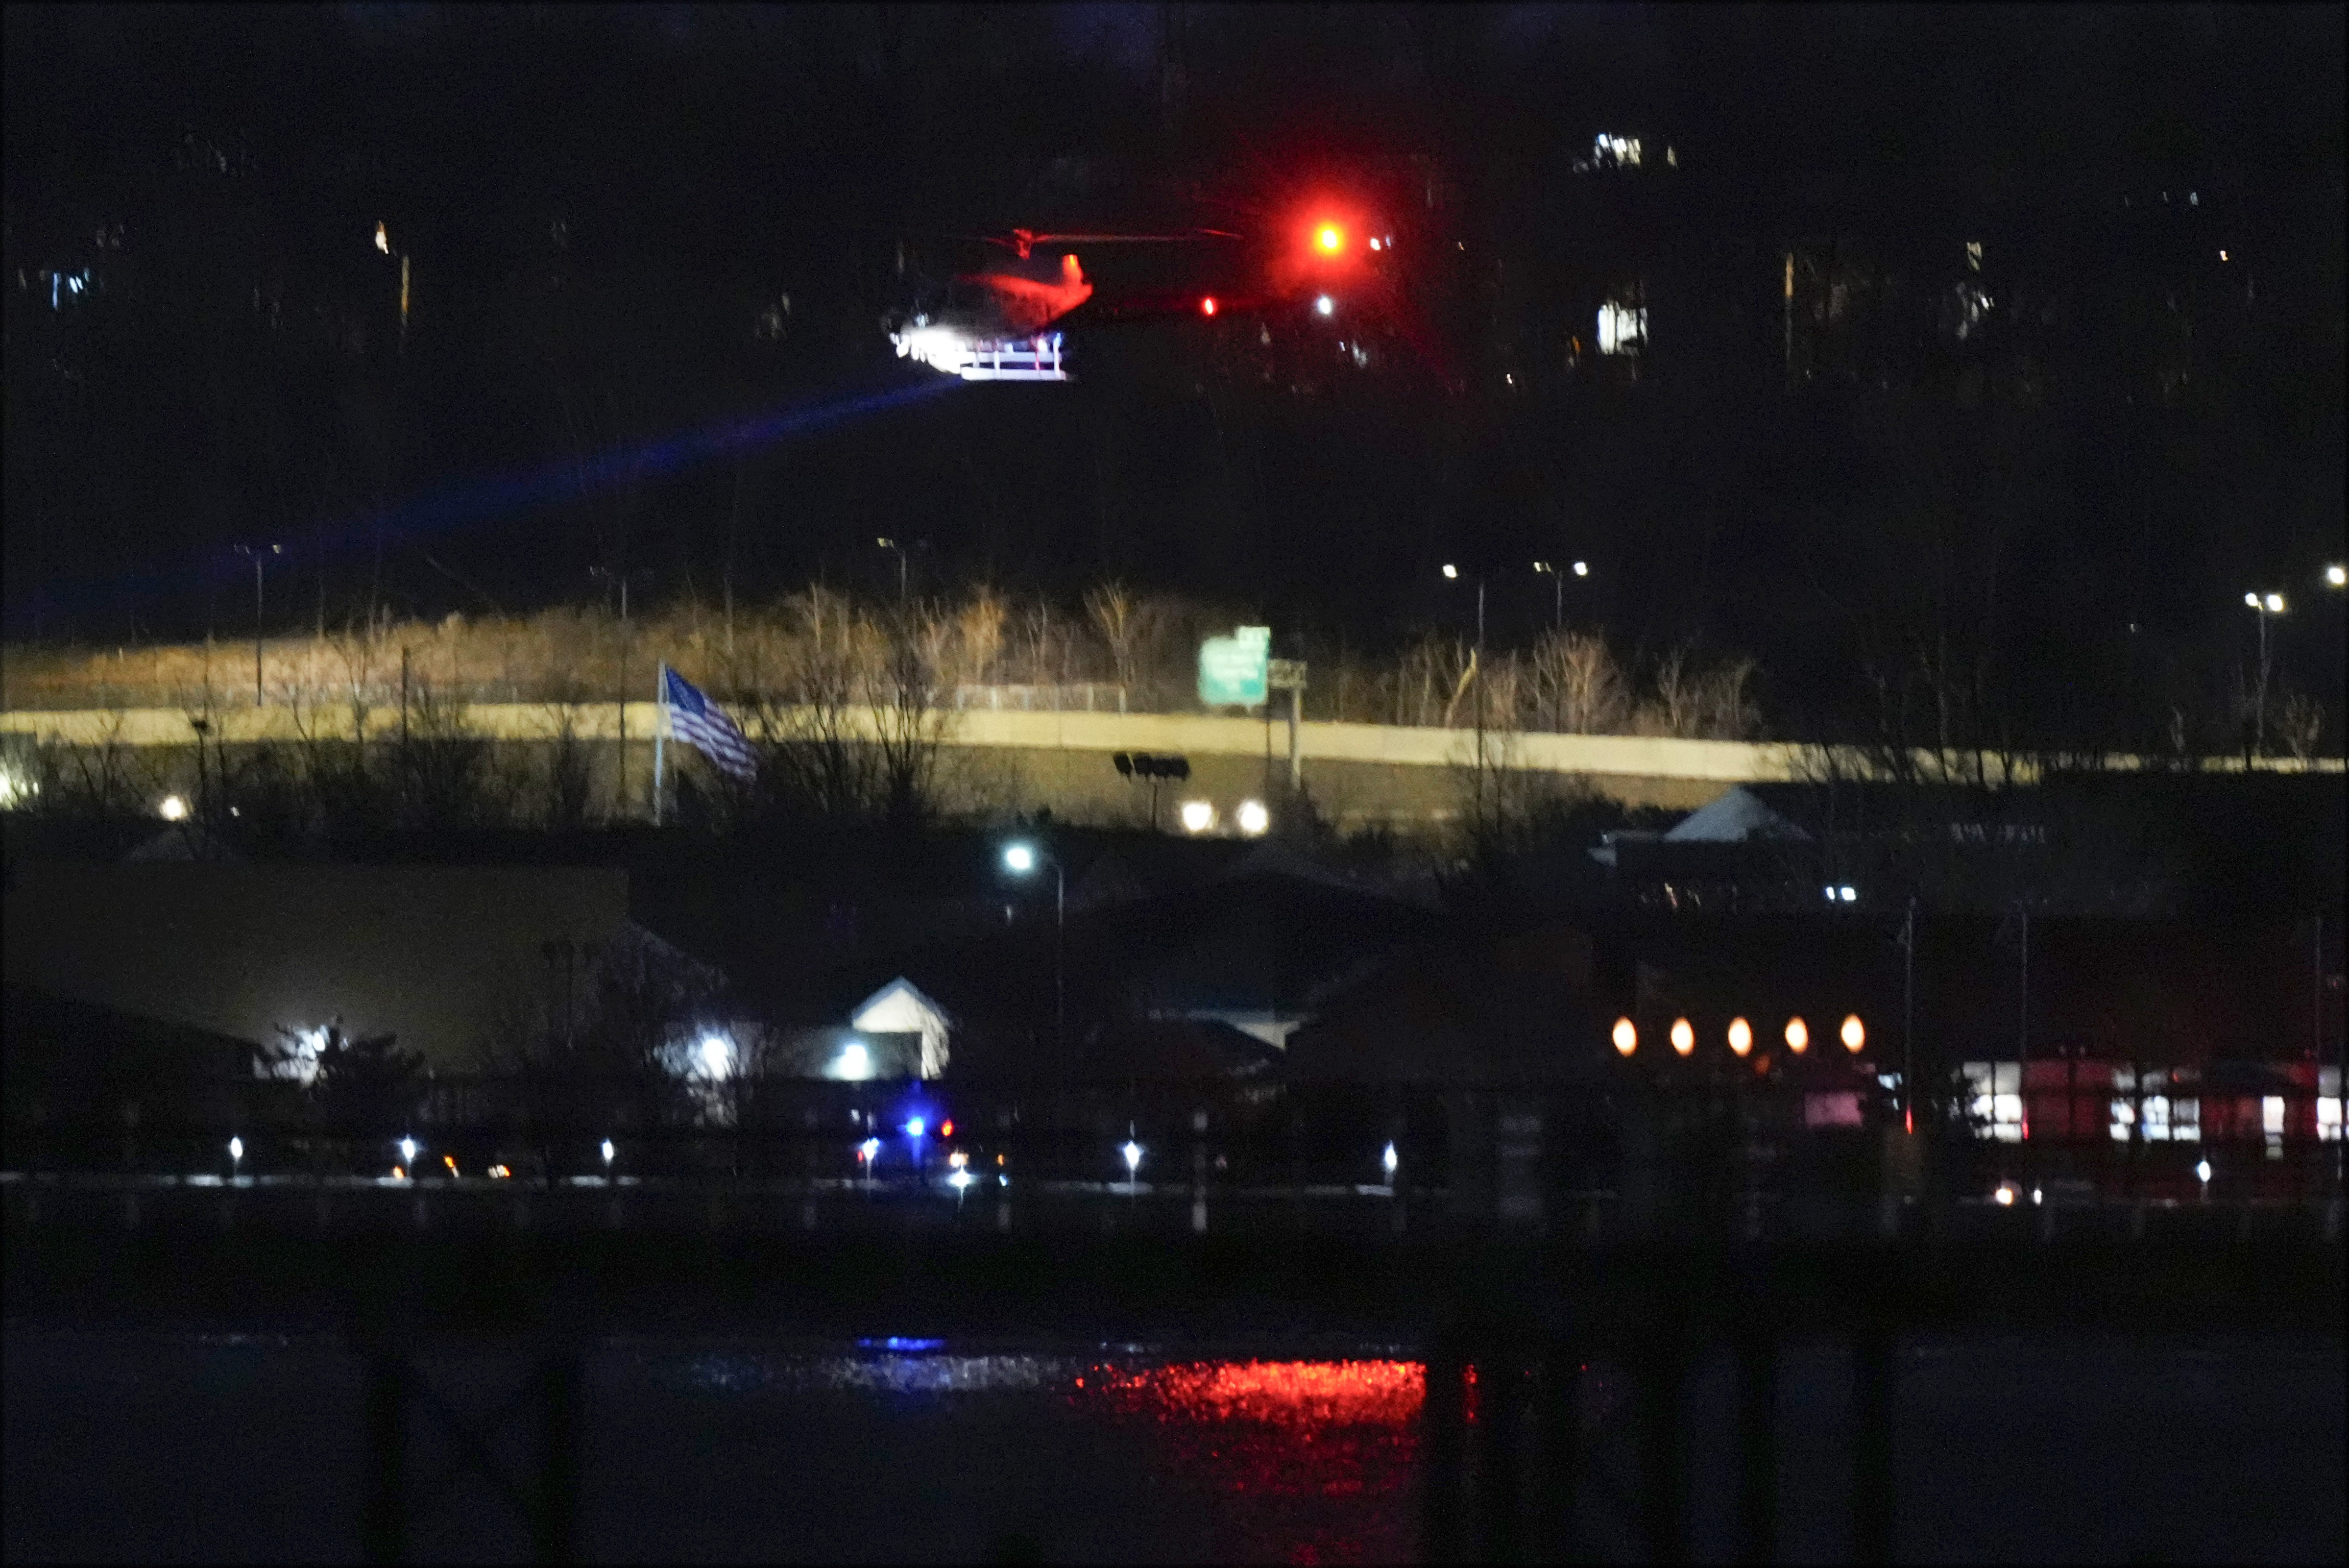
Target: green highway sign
x=1232, y=670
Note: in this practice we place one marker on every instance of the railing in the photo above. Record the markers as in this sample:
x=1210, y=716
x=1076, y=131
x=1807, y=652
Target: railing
x=1630, y=1157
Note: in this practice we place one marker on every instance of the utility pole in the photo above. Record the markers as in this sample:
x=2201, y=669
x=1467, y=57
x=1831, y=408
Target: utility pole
x=257, y=553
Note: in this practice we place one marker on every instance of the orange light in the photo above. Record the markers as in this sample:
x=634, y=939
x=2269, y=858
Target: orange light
x=1627, y=1036
x=946, y=1128
x=1854, y=1034
x=1741, y=1036
x=1207, y=306
x=1683, y=1035
x=1798, y=1036
x=1331, y=238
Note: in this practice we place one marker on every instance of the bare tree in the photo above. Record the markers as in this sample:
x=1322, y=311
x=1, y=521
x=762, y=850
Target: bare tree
x=1576, y=685
x=1123, y=620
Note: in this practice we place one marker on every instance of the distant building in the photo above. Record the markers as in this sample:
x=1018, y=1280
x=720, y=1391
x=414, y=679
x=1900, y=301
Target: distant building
x=900, y=1008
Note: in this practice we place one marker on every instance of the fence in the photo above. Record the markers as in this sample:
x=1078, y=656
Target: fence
x=1630, y=1155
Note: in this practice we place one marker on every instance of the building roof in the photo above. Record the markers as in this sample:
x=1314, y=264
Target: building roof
x=1735, y=816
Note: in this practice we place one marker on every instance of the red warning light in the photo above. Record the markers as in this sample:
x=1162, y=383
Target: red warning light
x=1331, y=238
x=946, y=1128
x=1207, y=306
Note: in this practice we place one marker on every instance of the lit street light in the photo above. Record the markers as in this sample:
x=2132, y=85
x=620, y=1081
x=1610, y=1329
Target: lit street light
x=1549, y=569
x=2263, y=606
x=236, y=1157
x=1021, y=858
x=900, y=552
x=1452, y=574
x=2336, y=575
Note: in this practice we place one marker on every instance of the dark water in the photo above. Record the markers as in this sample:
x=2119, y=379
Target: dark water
x=179, y=1447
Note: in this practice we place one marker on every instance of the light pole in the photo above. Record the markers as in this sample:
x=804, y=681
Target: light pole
x=1451, y=574
x=1020, y=859
x=892, y=544
x=2263, y=605
x=257, y=553
x=1557, y=587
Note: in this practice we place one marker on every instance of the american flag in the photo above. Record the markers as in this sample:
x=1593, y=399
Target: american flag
x=697, y=720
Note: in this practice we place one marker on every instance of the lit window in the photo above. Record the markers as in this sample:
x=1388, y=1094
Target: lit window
x=2272, y=1115
x=2156, y=1119
x=1622, y=328
x=1995, y=1103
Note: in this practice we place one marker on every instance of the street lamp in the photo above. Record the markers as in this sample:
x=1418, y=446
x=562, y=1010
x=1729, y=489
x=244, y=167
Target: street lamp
x=892, y=544
x=257, y=553
x=1551, y=569
x=1557, y=593
x=1020, y=859
x=1451, y=574
x=2336, y=575
x=2263, y=605
x=236, y=1157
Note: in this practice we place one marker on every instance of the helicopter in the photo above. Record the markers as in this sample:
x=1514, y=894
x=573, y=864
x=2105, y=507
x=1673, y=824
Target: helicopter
x=1004, y=323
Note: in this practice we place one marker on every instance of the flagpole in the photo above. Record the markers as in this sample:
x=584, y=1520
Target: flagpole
x=660, y=735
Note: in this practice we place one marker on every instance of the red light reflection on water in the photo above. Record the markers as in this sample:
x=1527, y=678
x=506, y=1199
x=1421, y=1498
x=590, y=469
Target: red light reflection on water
x=1279, y=1393
x=1310, y=1458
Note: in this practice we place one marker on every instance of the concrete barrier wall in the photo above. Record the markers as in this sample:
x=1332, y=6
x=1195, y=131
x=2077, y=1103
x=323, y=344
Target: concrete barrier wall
x=1358, y=774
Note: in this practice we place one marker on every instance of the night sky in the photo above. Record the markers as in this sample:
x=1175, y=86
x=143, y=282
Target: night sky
x=628, y=225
